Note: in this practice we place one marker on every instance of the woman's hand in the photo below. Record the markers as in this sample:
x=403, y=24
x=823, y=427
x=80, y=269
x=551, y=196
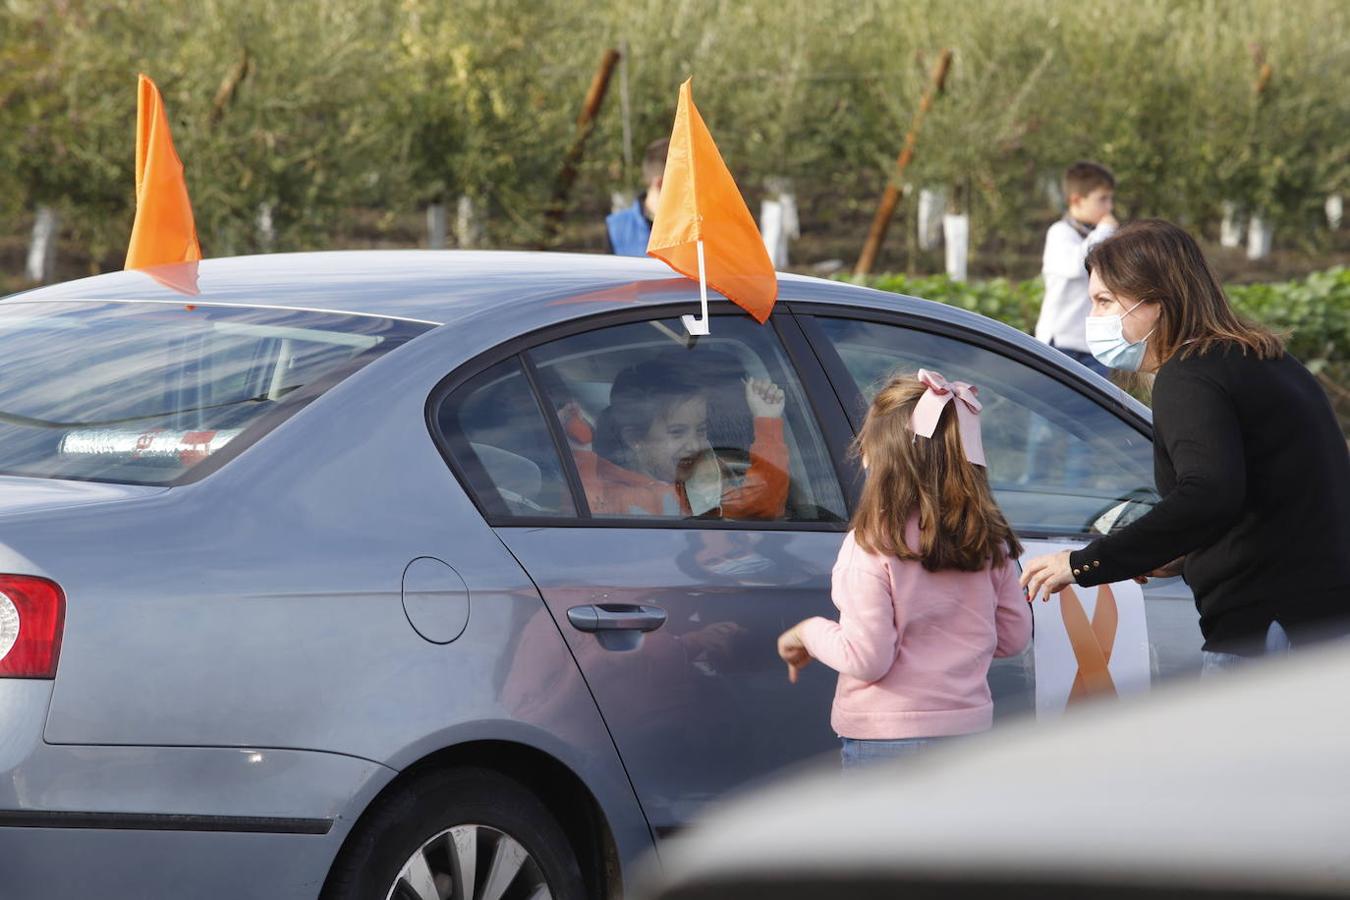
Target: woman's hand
x=1047, y=575
x=793, y=652
x=765, y=398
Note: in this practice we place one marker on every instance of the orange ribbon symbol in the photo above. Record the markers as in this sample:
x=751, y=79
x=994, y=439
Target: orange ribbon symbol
x=1091, y=642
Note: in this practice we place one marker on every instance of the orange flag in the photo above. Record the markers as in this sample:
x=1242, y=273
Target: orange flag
x=164, y=232
x=703, y=229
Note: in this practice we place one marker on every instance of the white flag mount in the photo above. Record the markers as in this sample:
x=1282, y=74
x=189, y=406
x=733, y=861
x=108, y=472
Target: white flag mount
x=698, y=327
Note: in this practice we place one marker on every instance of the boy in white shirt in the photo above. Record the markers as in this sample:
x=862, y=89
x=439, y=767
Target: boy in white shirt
x=1090, y=189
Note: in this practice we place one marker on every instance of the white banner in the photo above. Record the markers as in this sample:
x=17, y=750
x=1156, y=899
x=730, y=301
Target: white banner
x=1090, y=643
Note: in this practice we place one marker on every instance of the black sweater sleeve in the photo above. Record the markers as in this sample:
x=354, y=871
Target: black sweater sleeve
x=1195, y=419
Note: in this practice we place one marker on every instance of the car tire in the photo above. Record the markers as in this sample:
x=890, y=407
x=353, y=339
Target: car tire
x=484, y=816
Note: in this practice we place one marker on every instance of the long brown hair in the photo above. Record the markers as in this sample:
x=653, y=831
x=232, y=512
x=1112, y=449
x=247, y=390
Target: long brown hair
x=1154, y=261
x=960, y=525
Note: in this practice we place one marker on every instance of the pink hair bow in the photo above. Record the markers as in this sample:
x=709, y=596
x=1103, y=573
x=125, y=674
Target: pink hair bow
x=928, y=411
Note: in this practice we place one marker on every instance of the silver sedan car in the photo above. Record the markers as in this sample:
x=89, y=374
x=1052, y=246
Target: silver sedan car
x=429, y=575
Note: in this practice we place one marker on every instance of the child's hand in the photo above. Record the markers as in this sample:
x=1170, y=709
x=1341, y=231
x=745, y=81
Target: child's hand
x=793, y=652
x=765, y=398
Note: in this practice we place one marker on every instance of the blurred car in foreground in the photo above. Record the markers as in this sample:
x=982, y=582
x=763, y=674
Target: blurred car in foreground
x=305, y=584
x=1235, y=787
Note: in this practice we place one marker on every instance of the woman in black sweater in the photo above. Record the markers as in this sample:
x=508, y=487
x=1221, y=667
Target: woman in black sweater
x=1249, y=459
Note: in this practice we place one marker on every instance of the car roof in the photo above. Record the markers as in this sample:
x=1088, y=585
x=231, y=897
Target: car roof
x=1235, y=781
x=521, y=290
x=433, y=286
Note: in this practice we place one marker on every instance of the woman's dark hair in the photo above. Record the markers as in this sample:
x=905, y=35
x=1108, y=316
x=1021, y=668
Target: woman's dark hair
x=641, y=393
x=1157, y=262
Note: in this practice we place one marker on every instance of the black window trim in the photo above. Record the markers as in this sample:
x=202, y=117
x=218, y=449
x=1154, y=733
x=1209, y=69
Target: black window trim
x=829, y=408
x=520, y=346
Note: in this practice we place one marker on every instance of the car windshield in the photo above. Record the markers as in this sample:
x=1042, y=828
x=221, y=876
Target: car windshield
x=143, y=392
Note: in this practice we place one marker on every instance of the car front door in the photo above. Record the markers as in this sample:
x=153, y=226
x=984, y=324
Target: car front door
x=1066, y=463
x=701, y=528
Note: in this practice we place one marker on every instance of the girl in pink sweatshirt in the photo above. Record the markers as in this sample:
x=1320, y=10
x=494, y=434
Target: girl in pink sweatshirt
x=926, y=582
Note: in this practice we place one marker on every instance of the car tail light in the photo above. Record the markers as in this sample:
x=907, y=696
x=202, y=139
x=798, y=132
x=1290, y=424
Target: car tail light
x=32, y=616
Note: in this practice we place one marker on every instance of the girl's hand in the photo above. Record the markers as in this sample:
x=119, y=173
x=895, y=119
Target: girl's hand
x=765, y=398
x=1047, y=575
x=793, y=652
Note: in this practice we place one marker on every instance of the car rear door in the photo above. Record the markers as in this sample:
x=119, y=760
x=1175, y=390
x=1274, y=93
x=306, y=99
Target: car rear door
x=673, y=614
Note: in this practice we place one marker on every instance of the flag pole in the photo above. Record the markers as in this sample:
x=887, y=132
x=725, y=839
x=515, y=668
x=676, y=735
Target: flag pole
x=695, y=326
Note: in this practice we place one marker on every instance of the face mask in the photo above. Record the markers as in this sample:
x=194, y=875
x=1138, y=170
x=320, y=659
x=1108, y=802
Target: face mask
x=1106, y=340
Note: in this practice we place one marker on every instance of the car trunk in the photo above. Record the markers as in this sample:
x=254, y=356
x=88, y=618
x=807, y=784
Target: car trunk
x=20, y=496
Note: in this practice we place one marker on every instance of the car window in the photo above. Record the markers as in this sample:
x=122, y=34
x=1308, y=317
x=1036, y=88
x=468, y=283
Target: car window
x=1058, y=461
x=501, y=443
x=143, y=393
x=664, y=426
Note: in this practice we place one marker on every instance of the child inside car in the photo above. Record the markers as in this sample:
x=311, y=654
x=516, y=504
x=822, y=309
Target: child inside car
x=651, y=455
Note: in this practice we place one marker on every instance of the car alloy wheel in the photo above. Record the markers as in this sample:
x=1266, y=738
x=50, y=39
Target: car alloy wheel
x=475, y=862
x=466, y=833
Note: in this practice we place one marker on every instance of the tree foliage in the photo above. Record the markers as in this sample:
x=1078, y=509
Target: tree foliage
x=314, y=108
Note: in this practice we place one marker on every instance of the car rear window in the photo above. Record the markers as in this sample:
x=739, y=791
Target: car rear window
x=145, y=393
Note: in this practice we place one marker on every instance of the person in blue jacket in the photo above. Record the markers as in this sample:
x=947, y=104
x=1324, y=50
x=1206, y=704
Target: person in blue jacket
x=628, y=229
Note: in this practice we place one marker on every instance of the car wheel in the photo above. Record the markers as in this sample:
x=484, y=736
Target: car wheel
x=462, y=833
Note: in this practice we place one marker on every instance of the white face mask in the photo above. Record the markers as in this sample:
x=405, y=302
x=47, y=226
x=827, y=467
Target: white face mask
x=1106, y=340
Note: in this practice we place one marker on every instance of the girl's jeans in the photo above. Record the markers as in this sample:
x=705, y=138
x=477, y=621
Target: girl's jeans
x=1277, y=642
x=859, y=754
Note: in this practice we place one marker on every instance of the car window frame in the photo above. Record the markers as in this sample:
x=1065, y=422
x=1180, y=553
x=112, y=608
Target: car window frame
x=468, y=468
x=825, y=413
x=854, y=405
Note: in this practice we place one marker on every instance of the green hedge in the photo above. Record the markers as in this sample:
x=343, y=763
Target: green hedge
x=1314, y=312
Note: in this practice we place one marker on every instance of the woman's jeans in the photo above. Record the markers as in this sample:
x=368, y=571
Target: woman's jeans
x=859, y=754
x=1277, y=642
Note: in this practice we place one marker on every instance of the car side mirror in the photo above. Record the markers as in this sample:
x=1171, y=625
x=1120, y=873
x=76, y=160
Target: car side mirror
x=1122, y=512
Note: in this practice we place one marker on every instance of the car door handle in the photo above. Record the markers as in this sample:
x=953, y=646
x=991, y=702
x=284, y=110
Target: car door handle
x=616, y=617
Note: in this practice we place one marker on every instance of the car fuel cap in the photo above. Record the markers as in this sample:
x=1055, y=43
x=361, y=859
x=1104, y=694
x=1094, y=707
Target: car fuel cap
x=435, y=599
